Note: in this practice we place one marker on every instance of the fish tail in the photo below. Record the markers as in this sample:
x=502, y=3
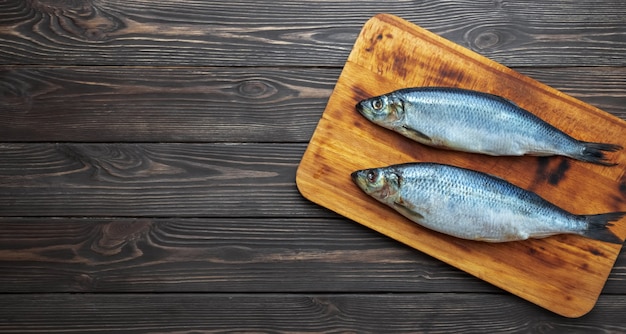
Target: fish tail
x=597, y=227
x=594, y=153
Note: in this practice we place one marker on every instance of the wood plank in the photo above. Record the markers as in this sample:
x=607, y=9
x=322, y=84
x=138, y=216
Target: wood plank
x=113, y=104
x=360, y=313
x=163, y=104
x=244, y=33
x=152, y=180
x=416, y=57
x=263, y=255
x=214, y=255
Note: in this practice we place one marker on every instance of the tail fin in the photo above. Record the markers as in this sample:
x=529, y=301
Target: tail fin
x=597, y=227
x=594, y=153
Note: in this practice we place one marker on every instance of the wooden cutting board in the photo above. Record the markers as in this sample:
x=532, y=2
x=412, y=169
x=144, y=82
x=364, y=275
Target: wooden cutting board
x=565, y=273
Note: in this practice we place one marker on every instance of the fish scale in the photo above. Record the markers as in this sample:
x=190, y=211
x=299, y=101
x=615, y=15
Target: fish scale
x=475, y=122
x=473, y=205
x=477, y=119
x=471, y=200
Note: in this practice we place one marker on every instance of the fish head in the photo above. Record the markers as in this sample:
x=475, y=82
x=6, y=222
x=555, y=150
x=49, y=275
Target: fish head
x=386, y=110
x=380, y=183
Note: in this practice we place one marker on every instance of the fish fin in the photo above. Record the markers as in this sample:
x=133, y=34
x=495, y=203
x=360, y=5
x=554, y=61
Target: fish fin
x=414, y=134
x=598, y=227
x=594, y=152
x=402, y=207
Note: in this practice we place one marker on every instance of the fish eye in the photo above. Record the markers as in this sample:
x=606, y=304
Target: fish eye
x=372, y=176
x=377, y=104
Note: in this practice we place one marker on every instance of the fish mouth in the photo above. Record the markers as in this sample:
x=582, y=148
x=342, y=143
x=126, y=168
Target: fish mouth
x=360, y=108
x=358, y=179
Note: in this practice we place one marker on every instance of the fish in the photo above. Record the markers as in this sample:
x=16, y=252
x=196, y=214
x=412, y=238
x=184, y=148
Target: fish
x=476, y=122
x=473, y=205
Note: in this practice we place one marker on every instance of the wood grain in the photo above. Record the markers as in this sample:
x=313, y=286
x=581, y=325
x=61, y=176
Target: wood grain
x=213, y=255
x=85, y=218
x=602, y=87
x=120, y=104
x=152, y=180
x=353, y=313
x=314, y=33
x=162, y=104
x=390, y=54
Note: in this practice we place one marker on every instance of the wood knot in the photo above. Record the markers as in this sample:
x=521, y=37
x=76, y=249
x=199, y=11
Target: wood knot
x=115, y=235
x=125, y=230
x=79, y=19
x=489, y=38
x=85, y=282
x=256, y=89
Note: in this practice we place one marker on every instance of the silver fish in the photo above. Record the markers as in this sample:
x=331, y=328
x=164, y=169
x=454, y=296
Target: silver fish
x=477, y=206
x=471, y=121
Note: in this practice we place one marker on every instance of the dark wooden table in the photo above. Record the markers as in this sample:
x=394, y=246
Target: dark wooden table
x=148, y=152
